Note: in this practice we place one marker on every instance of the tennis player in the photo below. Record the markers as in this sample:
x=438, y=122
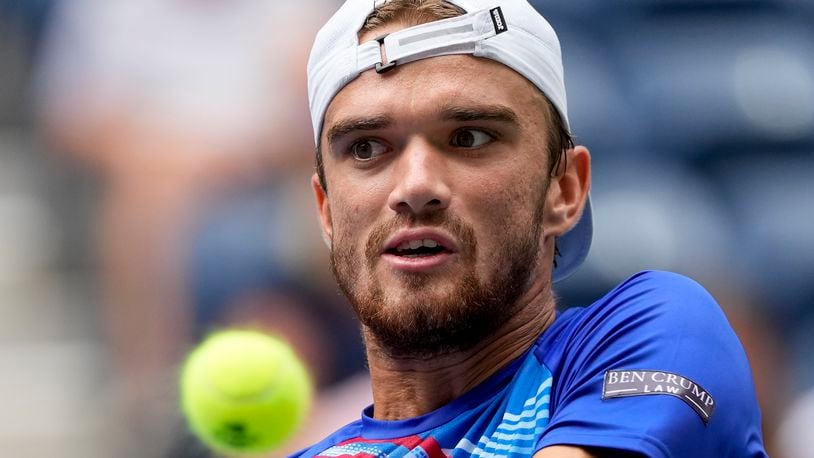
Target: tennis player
x=452, y=197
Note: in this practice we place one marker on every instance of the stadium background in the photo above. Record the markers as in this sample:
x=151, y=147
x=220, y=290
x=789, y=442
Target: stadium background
x=154, y=159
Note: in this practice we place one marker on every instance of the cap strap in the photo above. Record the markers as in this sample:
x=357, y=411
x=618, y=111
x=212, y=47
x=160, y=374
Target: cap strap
x=458, y=35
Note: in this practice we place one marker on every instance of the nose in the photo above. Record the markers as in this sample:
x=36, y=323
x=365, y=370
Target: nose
x=421, y=181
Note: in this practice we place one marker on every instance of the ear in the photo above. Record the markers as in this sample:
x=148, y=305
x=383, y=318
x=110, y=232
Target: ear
x=323, y=210
x=568, y=192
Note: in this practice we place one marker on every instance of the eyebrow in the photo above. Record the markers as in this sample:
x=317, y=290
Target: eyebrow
x=346, y=126
x=500, y=113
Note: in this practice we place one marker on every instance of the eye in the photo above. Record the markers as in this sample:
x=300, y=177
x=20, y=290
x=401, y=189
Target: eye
x=470, y=138
x=365, y=150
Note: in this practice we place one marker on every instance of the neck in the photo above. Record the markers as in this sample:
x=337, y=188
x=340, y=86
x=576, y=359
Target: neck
x=405, y=388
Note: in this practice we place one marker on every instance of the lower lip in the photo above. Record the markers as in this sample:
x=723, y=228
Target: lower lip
x=418, y=263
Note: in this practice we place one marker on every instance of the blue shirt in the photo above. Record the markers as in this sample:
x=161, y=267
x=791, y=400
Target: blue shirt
x=653, y=367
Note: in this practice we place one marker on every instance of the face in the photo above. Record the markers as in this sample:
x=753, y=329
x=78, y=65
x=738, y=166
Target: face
x=437, y=176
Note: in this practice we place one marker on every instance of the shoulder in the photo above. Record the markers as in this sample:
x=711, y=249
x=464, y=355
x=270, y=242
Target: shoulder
x=653, y=304
x=668, y=327
x=650, y=306
x=651, y=313
x=658, y=291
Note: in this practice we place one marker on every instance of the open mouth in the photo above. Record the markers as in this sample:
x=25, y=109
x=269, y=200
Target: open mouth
x=417, y=249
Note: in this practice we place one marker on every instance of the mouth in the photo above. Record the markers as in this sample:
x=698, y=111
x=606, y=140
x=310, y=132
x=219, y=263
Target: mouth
x=418, y=250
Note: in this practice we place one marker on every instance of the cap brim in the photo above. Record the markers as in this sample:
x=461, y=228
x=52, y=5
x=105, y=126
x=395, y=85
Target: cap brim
x=574, y=245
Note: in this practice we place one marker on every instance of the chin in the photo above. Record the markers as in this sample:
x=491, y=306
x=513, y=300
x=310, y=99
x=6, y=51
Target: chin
x=433, y=319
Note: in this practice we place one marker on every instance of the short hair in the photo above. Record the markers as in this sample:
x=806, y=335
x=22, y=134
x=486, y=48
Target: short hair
x=415, y=12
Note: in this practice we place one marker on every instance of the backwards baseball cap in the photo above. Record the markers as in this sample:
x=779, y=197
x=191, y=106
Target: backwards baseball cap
x=511, y=32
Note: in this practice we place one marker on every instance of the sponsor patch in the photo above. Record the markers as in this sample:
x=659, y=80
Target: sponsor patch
x=498, y=20
x=624, y=383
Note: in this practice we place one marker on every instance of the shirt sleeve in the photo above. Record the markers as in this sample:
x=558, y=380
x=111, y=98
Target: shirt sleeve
x=612, y=384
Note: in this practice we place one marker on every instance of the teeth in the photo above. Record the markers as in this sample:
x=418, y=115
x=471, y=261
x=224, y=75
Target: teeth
x=415, y=244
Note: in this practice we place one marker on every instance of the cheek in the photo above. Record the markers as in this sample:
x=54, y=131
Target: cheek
x=345, y=218
x=504, y=207
x=507, y=197
x=353, y=212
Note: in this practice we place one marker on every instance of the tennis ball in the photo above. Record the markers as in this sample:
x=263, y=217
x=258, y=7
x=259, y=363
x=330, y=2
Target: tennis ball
x=244, y=392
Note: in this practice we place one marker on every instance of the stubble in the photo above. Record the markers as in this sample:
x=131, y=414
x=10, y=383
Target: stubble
x=434, y=318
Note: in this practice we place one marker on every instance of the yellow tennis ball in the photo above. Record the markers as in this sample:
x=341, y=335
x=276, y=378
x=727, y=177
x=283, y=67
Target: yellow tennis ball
x=244, y=392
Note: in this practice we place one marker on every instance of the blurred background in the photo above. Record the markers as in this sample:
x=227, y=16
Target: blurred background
x=154, y=167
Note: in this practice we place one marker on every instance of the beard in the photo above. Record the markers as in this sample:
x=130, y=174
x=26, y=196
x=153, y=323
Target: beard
x=434, y=319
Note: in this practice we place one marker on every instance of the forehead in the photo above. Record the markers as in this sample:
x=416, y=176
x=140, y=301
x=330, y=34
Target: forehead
x=420, y=88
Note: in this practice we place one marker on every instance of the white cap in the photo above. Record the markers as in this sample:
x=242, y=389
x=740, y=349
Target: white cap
x=511, y=32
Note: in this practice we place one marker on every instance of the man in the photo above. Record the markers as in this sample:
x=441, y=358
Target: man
x=452, y=197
